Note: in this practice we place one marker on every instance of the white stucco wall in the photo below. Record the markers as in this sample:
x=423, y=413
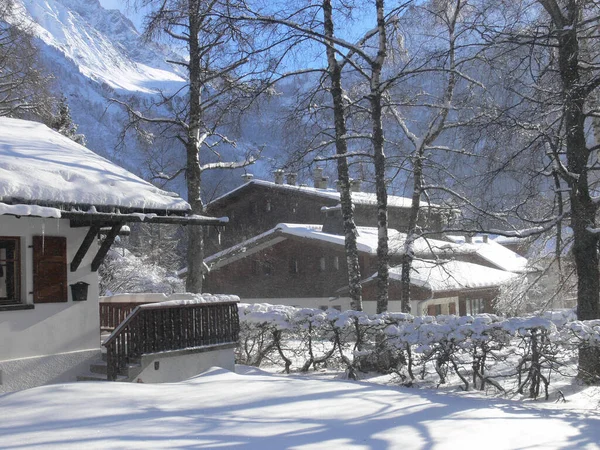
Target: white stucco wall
x=170, y=367
x=25, y=373
x=50, y=328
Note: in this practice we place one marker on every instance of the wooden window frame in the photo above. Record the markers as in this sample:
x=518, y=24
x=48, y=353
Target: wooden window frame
x=16, y=263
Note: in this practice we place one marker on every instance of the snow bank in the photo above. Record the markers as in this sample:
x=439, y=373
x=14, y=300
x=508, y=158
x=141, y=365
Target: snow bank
x=257, y=411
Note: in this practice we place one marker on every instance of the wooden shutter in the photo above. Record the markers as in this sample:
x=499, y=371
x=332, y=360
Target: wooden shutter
x=431, y=310
x=49, y=269
x=452, y=308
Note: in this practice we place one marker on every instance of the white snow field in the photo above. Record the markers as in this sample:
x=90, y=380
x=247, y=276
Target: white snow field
x=256, y=410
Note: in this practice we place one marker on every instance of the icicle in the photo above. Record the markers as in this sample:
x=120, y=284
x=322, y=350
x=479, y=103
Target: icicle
x=43, y=235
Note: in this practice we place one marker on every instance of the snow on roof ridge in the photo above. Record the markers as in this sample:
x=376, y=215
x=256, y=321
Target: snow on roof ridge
x=38, y=164
x=361, y=198
x=366, y=241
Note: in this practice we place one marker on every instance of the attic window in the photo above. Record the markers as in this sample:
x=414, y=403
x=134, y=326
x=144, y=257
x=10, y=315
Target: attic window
x=10, y=271
x=294, y=265
x=336, y=262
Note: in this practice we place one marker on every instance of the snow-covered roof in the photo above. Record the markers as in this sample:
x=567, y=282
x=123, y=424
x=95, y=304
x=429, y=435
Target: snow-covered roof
x=367, y=239
x=359, y=198
x=493, y=252
x=366, y=242
x=39, y=165
x=453, y=275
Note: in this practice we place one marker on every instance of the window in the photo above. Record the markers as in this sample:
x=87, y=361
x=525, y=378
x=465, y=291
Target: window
x=268, y=206
x=336, y=262
x=49, y=269
x=10, y=271
x=475, y=306
x=434, y=310
x=294, y=265
x=322, y=264
x=267, y=268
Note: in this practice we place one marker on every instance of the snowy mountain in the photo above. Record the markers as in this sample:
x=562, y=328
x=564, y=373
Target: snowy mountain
x=96, y=54
x=103, y=44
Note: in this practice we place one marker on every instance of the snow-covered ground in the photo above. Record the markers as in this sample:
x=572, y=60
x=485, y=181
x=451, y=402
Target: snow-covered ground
x=257, y=410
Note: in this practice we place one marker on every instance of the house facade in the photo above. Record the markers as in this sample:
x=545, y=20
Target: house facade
x=61, y=207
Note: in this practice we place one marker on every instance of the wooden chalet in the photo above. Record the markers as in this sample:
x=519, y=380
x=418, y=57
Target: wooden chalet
x=444, y=287
x=259, y=205
x=305, y=265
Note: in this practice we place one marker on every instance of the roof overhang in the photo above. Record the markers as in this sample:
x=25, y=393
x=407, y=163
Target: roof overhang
x=86, y=219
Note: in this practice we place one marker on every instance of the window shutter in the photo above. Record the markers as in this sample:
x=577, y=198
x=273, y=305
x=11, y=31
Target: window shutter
x=49, y=269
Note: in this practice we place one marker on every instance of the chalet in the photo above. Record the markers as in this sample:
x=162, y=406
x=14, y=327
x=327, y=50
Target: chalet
x=259, y=205
x=305, y=265
x=444, y=287
x=56, y=199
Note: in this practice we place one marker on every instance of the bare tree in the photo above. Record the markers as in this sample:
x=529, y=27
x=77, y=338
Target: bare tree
x=220, y=79
x=441, y=64
x=552, y=76
x=365, y=58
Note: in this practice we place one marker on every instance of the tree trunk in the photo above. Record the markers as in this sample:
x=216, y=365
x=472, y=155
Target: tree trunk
x=375, y=97
x=583, y=209
x=195, y=253
x=341, y=147
x=411, y=232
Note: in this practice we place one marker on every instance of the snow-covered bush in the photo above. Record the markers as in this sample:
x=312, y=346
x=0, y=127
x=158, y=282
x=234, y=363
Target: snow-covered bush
x=518, y=354
x=123, y=272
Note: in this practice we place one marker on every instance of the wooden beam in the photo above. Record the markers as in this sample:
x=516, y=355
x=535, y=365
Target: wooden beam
x=110, y=238
x=84, y=247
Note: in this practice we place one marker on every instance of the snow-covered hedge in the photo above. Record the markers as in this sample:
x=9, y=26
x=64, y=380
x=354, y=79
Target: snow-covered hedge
x=481, y=351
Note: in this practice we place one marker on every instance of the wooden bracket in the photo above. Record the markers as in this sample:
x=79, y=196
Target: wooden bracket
x=110, y=238
x=84, y=247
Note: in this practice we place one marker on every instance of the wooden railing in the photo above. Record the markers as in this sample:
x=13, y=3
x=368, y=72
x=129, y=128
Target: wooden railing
x=153, y=328
x=112, y=314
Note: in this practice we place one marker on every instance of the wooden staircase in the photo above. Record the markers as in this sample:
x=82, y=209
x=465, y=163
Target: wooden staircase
x=98, y=371
x=159, y=328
